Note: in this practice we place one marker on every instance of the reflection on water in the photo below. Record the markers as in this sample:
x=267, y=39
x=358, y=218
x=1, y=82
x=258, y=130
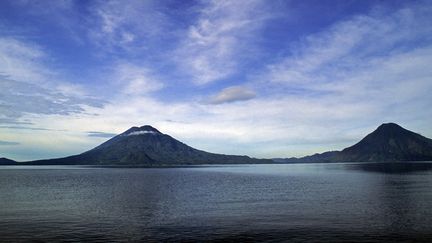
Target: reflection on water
x=400, y=168
x=299, y=202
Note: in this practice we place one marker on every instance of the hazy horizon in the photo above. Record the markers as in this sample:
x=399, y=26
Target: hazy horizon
x=260, y=78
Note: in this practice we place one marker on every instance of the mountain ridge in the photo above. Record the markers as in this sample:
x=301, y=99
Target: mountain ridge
x=147, y=146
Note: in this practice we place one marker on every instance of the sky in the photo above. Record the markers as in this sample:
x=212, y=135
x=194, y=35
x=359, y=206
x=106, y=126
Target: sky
x=250, y=77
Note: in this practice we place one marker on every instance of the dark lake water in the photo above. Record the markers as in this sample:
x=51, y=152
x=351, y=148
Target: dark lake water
x=292, y=203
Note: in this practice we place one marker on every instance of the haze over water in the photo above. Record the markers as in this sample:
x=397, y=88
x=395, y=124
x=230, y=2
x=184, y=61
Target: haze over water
x=296, y=202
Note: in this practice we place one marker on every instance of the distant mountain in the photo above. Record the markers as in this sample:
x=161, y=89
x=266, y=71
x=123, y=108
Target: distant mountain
x=146, y=146
x=388, y=143
x=5, y=161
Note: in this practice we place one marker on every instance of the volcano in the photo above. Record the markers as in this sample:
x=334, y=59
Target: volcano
x=148, y=147
x=388, y=143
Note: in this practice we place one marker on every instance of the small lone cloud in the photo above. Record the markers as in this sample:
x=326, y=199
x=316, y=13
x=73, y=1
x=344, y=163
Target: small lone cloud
x=101, y=134
x=8, y=143
x=232, y=94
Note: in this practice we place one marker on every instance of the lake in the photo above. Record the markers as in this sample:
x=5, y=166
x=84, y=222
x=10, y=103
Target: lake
x=282, y=202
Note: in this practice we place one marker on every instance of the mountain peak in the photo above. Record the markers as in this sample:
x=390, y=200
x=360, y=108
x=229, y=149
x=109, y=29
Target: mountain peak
x=389, y=125
x=390, y=130
x=146, y=129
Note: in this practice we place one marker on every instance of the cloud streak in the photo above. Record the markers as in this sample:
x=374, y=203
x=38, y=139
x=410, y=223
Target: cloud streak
x=100, y=134
x=8, y=143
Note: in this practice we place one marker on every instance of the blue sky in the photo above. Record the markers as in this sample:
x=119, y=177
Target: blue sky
x=256, y=77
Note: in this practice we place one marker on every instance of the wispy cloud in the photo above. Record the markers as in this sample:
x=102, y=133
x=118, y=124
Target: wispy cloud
x=28, y=86
x=22, y=61
x=352, y=64
x=352, y=45
x=20, y=98
x=216, y=42
x=125, y=27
